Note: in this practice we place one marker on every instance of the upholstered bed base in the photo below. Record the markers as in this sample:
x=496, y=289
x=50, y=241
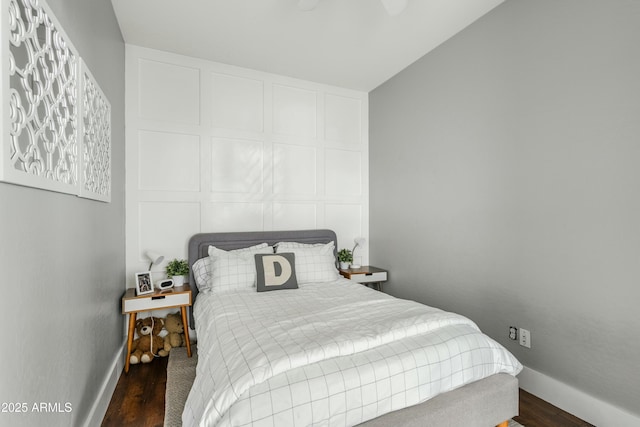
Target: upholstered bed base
x=483, y=403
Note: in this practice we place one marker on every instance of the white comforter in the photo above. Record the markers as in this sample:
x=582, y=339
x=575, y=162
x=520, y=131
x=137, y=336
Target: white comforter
x=328, y=354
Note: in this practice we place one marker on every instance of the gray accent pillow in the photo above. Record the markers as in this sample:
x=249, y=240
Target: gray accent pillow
x=276, y=271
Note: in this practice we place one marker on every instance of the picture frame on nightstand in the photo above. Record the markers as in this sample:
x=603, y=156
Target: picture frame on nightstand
x=144, y=283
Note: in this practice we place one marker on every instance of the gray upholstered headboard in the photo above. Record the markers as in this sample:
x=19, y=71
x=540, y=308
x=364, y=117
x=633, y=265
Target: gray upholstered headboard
x=199, y=246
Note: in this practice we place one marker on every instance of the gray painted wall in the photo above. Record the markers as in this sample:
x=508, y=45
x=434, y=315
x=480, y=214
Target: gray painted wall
x=62, y=259
x=505, y=185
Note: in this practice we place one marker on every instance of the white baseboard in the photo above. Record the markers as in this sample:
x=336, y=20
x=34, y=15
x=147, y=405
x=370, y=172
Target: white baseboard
x=574, y=401
x=101, y=404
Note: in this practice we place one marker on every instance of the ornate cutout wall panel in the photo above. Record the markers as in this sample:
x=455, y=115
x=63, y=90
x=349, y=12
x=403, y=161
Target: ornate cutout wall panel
x=95, y=130
x=56, y=132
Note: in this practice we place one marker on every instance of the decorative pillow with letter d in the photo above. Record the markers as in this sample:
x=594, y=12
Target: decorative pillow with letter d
x=276, y=271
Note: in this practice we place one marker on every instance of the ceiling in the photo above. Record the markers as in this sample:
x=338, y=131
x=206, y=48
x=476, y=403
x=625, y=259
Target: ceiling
x=353, y=44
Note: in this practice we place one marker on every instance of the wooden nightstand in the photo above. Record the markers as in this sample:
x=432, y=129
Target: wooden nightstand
x=367, y=275
x=179, y=296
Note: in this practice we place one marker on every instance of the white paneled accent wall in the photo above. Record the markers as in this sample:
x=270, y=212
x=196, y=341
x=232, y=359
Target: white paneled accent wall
x=211, y=147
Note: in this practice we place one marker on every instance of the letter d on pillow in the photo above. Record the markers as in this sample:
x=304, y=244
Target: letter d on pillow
x=276, y=271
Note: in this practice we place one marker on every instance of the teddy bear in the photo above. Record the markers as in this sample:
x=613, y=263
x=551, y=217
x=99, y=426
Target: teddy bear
x=148, y=344
x=175, y=328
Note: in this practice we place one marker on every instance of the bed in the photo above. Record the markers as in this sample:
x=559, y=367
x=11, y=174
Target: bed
x=333, y=352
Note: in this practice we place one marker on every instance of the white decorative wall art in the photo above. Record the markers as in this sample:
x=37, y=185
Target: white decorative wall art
x=56, y=132
x=95, y=132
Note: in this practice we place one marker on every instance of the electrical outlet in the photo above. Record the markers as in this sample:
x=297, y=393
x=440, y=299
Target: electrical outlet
x=513, y=333
x=525, y=338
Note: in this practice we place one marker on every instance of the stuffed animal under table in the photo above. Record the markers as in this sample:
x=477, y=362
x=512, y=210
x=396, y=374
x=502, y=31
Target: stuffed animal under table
x=148, y=344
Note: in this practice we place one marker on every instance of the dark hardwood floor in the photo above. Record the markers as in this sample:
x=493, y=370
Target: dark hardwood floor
x=535, y=412
x=139, y=396
x=139, y=401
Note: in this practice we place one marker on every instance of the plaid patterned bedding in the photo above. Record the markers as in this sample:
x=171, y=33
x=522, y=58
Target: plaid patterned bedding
x=334, y=354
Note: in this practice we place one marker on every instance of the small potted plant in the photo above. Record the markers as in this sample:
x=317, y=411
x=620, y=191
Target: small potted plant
x=345, y=257
x=177, y=269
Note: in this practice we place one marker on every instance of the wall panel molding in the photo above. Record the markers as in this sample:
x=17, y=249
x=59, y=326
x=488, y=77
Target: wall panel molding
x=264, y=161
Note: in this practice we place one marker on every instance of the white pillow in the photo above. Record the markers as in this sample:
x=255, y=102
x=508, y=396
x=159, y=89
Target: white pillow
x=202, y=272
x=314, y=263
x=234, y=269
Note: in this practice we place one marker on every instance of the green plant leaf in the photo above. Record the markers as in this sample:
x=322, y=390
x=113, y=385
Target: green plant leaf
x=345, y=255
x=177, y=267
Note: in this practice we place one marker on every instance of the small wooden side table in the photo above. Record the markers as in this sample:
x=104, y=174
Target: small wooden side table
x=179, y=296
x=367, y=275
